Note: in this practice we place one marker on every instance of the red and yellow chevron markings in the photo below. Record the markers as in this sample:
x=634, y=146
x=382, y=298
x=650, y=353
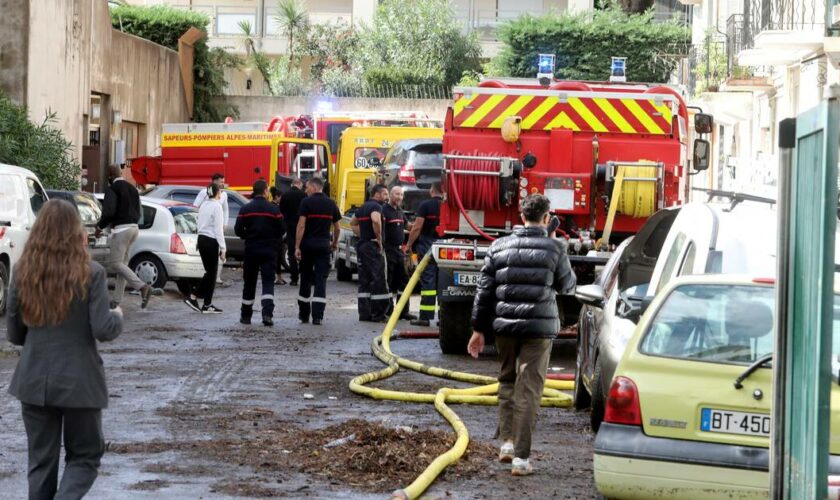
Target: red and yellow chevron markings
x=574, y=111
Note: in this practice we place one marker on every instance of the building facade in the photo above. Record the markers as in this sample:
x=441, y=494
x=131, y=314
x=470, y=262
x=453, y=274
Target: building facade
x=780, y=59
x=110, y=92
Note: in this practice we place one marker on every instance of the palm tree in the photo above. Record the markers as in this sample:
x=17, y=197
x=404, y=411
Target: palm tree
x=253, y=57
x=291, y=18
x=247, y=37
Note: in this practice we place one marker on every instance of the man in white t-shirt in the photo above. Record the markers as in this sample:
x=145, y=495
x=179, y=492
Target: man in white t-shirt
x=219, y=180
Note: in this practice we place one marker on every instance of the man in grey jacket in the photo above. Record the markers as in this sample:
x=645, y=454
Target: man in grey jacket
x=516, y=301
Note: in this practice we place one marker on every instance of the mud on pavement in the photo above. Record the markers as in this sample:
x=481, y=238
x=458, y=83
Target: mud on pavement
x=203, y=407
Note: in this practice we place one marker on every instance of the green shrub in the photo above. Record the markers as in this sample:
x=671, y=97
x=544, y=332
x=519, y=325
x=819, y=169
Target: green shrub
x=165, y=25
x=38, y=147
x=583, y=44
x=339, y=82
x=415, y=43
x=330, y=46
x=285, y=79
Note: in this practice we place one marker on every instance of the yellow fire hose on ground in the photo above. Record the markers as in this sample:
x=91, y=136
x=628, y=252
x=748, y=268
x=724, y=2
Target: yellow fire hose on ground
x=484, y=394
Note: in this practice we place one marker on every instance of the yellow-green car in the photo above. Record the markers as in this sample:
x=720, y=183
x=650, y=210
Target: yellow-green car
x=685, y=416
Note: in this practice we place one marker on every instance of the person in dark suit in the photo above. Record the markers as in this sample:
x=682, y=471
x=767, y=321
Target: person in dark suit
x=58, y=309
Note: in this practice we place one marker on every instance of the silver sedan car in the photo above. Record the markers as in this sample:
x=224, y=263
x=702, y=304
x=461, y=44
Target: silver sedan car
x=611, y=308
x=166, y=247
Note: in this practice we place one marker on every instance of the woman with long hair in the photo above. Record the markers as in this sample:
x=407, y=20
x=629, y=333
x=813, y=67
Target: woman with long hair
x=58, y=309
x=211, y=247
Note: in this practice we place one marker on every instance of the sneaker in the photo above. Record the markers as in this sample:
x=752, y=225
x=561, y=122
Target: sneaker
x=303, y=319
x=210, y=309
x=506, y=452
x=521, y=467
x=245, y=320
x=420, y=322
x=268, y=321
x=316, y=321
x=192, y=304
x=145, y=295
x=157, y=292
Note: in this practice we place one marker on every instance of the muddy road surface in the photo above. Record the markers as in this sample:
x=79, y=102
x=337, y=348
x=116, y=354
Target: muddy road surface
x=203, y=407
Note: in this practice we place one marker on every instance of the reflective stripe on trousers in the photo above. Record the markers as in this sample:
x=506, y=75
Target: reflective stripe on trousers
x=373, y=299
x=428, y=281
x=312, y=294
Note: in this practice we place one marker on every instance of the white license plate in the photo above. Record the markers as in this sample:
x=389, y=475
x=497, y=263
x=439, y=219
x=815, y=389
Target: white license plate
x=467, y=279
x=734, y=422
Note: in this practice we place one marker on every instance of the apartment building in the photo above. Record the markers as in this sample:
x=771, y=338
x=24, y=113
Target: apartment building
x=781, y=60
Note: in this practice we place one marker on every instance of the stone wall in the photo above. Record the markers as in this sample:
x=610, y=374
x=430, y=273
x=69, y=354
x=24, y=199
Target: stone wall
x=59, y=52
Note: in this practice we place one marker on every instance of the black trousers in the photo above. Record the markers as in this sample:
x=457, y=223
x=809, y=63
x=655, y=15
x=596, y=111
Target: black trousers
x=209, y=250
x=83, y=445
x=428, y=280
x=258, y=264
x=314, y=270
x=294, y=272
x=373, y=299
x=397, y=276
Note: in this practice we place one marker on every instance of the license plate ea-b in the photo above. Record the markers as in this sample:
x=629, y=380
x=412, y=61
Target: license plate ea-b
x=466, y=279
x=734, y=422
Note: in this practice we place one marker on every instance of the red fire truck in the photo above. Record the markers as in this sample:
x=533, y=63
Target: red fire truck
x=607, y=156
x=192, y=152
x=244, y=152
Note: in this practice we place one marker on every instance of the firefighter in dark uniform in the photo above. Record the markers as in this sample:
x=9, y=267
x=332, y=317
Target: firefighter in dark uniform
x=374, y=299
x=423, y=234
x=394, y=239
x=313, y=245
x=261, y=225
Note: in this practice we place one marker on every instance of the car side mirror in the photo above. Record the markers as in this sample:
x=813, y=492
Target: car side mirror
x=701, y=155
x=591, y=295
x=703, y=123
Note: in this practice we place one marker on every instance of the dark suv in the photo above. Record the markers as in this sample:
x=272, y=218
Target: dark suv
x=414, y=164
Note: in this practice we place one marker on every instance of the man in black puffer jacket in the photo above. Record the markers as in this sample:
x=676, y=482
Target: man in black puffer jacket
x=516, y=300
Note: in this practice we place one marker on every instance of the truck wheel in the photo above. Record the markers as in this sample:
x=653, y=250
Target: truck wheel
x=581, y=397
x=454, y=326
x=4, y=287
x=150, y=269
x=598, y=399
x=343, y=271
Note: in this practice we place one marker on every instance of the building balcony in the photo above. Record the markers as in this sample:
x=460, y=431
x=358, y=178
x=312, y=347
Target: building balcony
x=776, y=32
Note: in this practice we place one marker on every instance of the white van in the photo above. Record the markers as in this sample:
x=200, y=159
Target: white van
x=21, y=197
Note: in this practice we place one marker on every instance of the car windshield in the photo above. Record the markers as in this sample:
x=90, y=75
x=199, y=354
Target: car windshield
x=186, y=219
x=720, y=323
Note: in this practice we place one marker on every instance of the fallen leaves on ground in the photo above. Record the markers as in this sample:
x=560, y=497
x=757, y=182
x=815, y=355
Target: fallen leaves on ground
x=370, y=456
